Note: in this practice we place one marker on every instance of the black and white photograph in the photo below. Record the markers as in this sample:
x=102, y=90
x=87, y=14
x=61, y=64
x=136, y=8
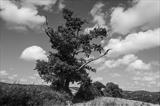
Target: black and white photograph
x=79, y=52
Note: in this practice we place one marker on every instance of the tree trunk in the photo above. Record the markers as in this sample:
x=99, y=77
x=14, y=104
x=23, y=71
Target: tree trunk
x=66, y=87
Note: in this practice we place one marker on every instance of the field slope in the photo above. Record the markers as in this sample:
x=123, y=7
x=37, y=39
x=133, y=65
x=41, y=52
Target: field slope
x=109, y=101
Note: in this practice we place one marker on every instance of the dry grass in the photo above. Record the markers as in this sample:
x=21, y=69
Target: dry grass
x=108, y=101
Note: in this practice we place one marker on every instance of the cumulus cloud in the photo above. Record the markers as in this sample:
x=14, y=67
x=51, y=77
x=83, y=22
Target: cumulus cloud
x=12, y=77
x=34, y=53
x=145, y=14
x=134, y=42
x=125, y=60
x=98, y=79
x=3, y=73
x=140, y=65
x=149, y=77
x=115, y=75
x=47, y=4
x=130, y=61
x=24, y=14
x=98, y=17
x=20, y=17
x=23, y=81
x=61, y=4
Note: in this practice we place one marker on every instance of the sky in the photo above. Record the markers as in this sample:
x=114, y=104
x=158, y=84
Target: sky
x=134, y=37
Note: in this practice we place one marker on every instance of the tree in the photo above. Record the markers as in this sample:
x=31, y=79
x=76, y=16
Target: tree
x=70, y=46
x=100, y=87
x=86, y=92
x=113, y=90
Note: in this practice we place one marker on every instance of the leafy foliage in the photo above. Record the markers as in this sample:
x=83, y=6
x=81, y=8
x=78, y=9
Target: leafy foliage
x=113, y=90
x=99, y=86
x=86, y=92
x=70, y=46
x=30, y=95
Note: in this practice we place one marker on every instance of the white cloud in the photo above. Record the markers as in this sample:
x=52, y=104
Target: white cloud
x=3, y=73
x=145, y=13
x=115, y=75
x=148, y=77
x=130, y=61
x=61, y=4
x=12, y=77
x=20, y=17
x=140, y=65
x=34, y=53
x=47, y=4
x=134, y=42
x=100, y=60
x=98, y=79
x=98, y=17
x=125, y=60
x=23, y=80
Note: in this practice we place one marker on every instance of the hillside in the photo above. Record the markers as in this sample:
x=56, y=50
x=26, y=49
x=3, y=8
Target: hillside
x=30, y=95
x=108, y=101
x=43, y=95
x=145, y=96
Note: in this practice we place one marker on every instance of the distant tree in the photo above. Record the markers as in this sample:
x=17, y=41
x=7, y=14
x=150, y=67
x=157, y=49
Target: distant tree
x=99, y=86
x=86, y=92
x=113, y=90
x=70, y=47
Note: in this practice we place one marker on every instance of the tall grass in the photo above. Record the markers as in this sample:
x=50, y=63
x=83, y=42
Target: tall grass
x=30, y=95
x=108, y=101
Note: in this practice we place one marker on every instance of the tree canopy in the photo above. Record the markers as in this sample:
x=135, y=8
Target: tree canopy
x=70, y=48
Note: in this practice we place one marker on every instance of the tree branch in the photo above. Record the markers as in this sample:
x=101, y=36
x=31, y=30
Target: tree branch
x=93, y=60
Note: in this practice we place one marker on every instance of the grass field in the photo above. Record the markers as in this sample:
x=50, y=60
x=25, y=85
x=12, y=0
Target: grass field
x=108, y=101
x=42, y=95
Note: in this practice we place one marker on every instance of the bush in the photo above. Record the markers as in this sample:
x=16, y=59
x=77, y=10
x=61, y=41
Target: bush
x=113, y=90
x=87, y=92
x=25, y=95
x=100, y=87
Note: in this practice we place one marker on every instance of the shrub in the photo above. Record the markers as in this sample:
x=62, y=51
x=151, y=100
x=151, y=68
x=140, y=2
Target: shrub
x=86, y=92
x=113, y=90
x=100, y=87
x=25, y=95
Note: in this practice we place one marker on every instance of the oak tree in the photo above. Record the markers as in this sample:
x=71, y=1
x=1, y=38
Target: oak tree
x=70, y=47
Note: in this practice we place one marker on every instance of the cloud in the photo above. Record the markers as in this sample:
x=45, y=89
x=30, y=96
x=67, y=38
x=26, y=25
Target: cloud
x=130, y=61
x=12, y=77
x=134, y=42
x=98, y=17
x=34, y=53
x=149, y=77
x=100, y=60
x=24, y=14
x=23, y=81
x=61, y=4
x=47, y=4
x=98, y=79
x=140, y=65
x=3, y=73
x=20, y=17
x=125, y=60
x=115, y=75
x=145, y=14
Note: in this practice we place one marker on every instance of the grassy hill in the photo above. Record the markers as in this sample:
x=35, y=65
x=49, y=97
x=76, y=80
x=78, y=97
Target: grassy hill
x=145, y=96
x=109, y=101
x=43, y=95
x=30, y=95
